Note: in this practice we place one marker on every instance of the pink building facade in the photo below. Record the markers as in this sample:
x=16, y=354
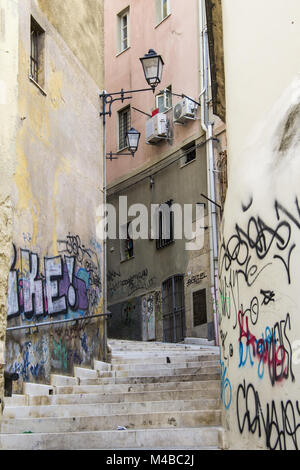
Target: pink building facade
x=176, y=39
x=159, y=290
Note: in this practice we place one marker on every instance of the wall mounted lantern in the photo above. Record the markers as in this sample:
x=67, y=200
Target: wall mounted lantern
x=133, y=138
x=153, y=66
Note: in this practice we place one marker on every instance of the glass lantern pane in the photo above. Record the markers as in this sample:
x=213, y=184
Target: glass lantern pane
x=151, y=68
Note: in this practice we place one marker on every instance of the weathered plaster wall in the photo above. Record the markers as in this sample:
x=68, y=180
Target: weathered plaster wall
x=80, y=24
x=56, y=270
x=260, y=245
x=9, y=23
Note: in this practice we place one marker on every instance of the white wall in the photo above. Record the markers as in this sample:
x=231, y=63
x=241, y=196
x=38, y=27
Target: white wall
x=260, y=245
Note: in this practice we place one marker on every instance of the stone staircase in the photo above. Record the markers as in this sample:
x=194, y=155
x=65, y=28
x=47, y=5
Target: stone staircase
x=150, y=396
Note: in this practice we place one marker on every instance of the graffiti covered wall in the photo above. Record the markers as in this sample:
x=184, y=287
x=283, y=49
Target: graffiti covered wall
x=65, y=287
x=259, y=249
x=138, y=318
x=55, y=270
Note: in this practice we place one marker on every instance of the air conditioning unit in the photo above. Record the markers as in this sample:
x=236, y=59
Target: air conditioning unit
x=184, y=110
x=156, y=128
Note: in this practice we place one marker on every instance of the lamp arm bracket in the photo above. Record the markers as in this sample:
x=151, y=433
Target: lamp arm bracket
x=110, y=98
x=114, y=156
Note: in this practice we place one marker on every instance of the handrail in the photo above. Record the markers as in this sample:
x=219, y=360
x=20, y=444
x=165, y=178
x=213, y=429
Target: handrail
x=55, y=322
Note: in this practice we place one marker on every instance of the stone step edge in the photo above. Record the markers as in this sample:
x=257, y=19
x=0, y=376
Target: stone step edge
x=115, y=433
x=68, y=406
x=99, y=395
x=130, y=416
x=65, y=390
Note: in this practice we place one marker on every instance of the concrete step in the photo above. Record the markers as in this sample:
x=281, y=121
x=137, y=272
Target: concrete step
x=199, y=341
x=17, y=400
x=153, y=345
x=153, y=378
x=63, y=380
x=186, y=350
x=83, y=373
x=37, y=389
x=99, y=409
x=144, y=420
x=200, y=437
x=133, y=353
x=191, y=349
x=162, y=359
x=165, y=366
x=168, y=371
x=102, y=366
x=141, y=387
x=90, y=398
x=197, y=350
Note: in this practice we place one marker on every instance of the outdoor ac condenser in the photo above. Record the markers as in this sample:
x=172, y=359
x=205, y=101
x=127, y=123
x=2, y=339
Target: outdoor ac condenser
x=183, y=110
x=156, y=128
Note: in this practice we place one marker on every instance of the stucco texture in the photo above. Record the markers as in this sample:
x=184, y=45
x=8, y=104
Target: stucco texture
x=260, y=243
x=80, y=24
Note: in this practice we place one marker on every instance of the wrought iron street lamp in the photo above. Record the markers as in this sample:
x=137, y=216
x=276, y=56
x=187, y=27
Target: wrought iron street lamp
x=153, y=66
x=132, y=138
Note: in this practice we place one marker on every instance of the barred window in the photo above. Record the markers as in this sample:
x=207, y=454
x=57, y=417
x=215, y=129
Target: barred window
x=199, y=307
x=36, y=52
x=124, y=126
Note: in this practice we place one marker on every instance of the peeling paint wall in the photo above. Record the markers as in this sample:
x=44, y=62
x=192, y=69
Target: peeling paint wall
x=260, y=243
x=55, y=258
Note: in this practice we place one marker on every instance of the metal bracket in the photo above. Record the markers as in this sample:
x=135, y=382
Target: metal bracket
x=110, y=98
x=109, y=156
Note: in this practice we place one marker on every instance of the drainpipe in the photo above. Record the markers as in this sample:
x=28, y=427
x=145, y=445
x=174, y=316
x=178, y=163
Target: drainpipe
x=104, y=238
x=207, y=126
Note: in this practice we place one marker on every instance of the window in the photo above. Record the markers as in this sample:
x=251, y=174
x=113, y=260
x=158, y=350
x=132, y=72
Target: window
x=37, y=52
x=126, y=243
x=162, y=10
x=165, y=225
x=124, y=126
x=199, y=307
x=123, y=30
x=189, y=153
x=164, y=100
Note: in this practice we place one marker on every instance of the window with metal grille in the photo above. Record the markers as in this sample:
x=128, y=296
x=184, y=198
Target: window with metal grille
x=165, y=225
x=173, y=309
x=199, y=307
x=36, y=51
x=124, y=126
